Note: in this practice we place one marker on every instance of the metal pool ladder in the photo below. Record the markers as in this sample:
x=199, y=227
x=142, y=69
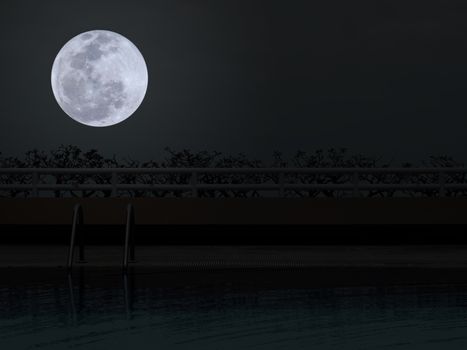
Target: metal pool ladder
x=129, y=249
x=76, y=229
x=77, y=233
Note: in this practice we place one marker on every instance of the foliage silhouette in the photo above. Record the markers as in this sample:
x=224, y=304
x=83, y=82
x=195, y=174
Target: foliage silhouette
x=70, y=156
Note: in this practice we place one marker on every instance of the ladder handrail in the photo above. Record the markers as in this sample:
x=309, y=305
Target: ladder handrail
x=76, y=233
x=77, y=222
x=129, y=248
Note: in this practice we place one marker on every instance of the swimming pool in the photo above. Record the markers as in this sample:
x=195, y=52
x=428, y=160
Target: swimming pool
x=231, y=309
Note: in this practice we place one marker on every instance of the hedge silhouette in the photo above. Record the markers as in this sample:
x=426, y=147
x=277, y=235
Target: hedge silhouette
x=70, y=156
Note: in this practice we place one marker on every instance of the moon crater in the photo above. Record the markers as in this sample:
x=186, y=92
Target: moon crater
x=99, y=78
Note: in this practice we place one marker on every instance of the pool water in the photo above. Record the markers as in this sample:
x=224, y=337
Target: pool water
x=104, y=309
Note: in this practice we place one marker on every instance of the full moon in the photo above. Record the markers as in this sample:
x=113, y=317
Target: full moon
x=99, y=78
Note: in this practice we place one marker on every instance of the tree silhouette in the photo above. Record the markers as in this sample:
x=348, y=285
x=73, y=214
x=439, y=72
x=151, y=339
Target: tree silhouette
x=70, y=156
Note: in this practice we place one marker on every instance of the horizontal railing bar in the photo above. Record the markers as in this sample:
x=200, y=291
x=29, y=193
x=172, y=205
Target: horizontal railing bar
x=230, y=170
x=53, y=187
x=259, y=187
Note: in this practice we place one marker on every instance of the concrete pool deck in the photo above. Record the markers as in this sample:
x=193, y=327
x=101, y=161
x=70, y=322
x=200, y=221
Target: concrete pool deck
x=195, y=233
x=238, y=211
x=218, y=257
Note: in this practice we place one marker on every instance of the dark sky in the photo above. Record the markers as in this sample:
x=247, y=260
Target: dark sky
x=379, y=77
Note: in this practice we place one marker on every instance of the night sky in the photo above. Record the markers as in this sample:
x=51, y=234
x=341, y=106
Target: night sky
x=378, y=77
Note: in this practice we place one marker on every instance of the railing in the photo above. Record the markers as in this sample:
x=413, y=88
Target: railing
x=275, y=181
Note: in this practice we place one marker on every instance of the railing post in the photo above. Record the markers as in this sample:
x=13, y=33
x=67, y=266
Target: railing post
x=281, y=185
x=35, y=181
x=114, y=184
x=355, y=179
x=442, y=183
x=193, y=183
